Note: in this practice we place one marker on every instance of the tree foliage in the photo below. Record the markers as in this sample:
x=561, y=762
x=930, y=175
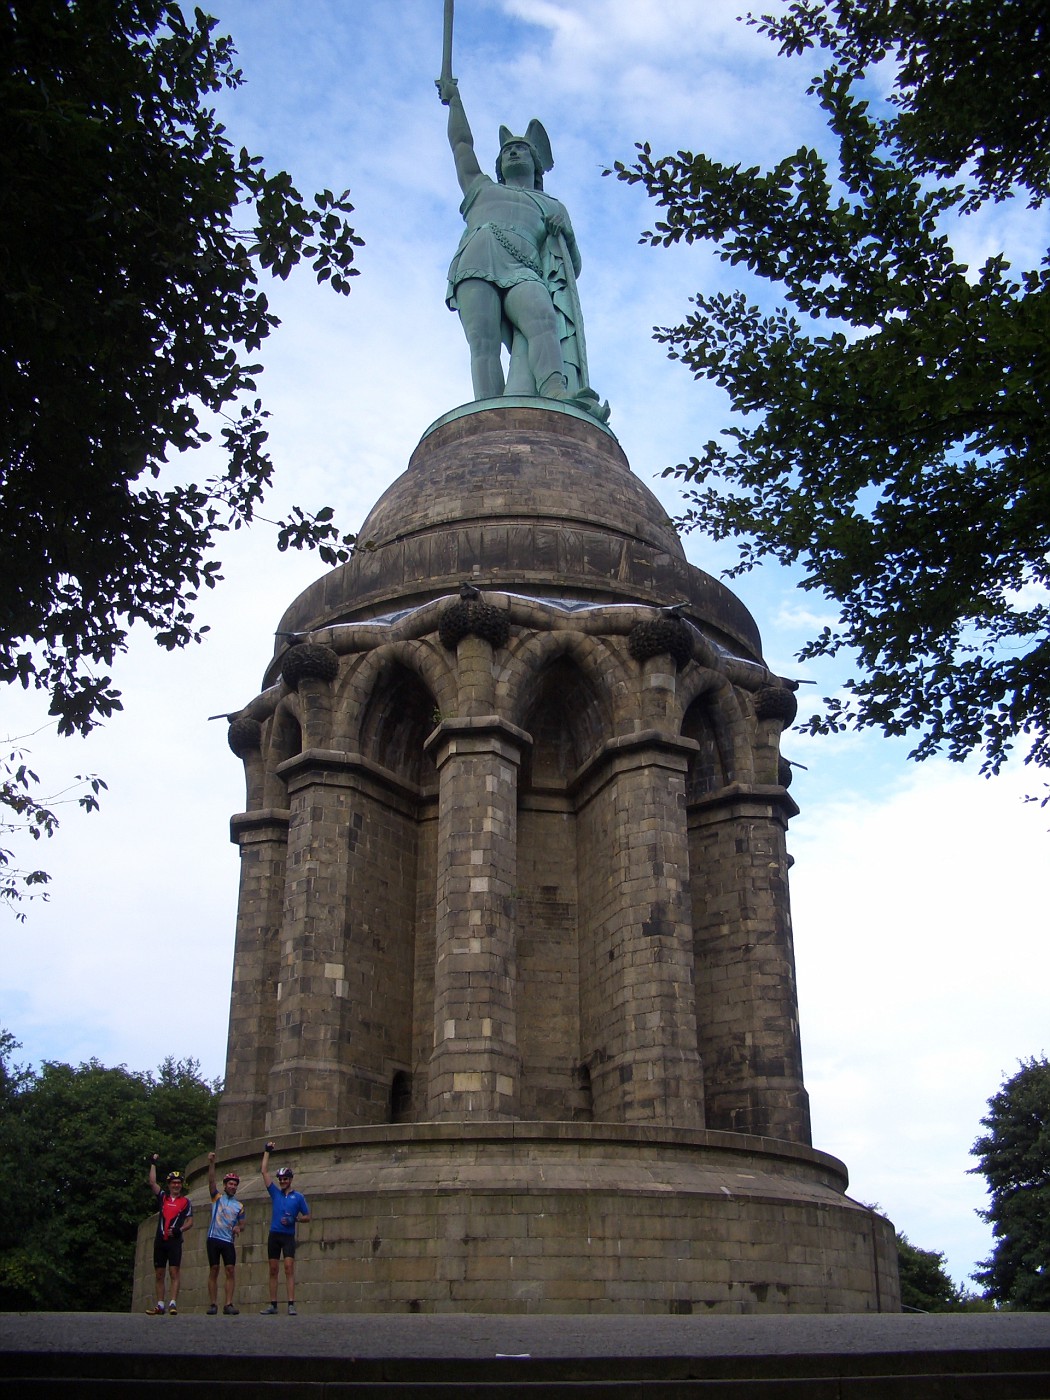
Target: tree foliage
x=956, y=62
x=890, y=428
x=23, y=811
x=1014, y=1158
x=75, y=1143
x=135, y=236
x=925, y=1283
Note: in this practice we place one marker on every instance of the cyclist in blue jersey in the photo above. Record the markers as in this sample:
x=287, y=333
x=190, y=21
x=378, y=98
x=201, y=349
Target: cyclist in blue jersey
x=289, y=1206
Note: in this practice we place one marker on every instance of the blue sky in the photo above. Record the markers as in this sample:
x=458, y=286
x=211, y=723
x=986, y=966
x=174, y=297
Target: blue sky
x=917, y=891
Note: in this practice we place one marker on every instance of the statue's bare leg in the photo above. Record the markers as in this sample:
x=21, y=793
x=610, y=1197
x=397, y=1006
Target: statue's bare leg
x=519, y=376
x=529, y=309
x=481, y=314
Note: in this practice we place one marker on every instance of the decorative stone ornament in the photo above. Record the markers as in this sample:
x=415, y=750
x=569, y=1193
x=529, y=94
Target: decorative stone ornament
x=308, y=660
x=776, y=702
x=664, y=635
x=244, y=736
x=472, y=617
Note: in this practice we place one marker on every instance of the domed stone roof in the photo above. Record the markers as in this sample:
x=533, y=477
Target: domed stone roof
x=524, y=497
x=520, y=463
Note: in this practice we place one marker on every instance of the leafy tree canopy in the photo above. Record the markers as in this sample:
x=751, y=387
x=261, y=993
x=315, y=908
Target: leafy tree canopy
x=79, y=1139
x=1014, y=1158
x=892, y=417
x=955, y=62
x=135, y=236
x=925, y=1283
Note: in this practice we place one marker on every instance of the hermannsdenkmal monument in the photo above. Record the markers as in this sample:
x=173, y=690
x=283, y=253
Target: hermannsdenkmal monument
x=514, y=983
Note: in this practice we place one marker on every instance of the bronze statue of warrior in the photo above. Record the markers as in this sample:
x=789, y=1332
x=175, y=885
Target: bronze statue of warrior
x=513, y=277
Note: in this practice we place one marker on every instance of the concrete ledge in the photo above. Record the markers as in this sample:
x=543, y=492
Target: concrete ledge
x=846, y=1357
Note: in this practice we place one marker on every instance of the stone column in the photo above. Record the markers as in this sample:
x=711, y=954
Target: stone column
x=636, y=953
x=747, y=1004
x=263, y=840
x=475, y=1065
x=306, y=1081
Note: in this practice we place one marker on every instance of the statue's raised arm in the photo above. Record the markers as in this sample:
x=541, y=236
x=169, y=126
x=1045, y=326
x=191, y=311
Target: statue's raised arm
x=460, y=137
x=513, y=278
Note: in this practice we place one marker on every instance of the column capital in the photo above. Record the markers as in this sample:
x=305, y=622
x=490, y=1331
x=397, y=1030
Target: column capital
x=472, y=734
x=315, y=761
x=647, y=748
x=263, y=824
x=743, y=800
x=341, y=768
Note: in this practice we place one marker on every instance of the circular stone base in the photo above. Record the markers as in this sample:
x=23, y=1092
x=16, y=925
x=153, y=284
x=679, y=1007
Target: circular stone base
x=553, y=1218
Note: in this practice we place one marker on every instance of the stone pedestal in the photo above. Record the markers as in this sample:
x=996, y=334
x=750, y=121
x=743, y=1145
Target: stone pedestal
x=514, y=980
x=562, y=1218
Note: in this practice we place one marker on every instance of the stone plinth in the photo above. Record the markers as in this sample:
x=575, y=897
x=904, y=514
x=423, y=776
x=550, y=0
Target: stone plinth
x=563, y=1218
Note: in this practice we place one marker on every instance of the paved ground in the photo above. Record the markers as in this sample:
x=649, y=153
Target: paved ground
x=476, y=1337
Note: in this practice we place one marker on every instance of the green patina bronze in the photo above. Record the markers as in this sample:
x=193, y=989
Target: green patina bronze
x=513, y=277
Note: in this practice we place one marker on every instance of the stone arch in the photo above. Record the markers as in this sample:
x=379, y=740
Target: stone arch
x=559, y=685
x=390, y=701
x=387, y=703
x=523, y=677
x=711, y=716
x=286, y=734
x=395, y=722
x=566, y=720
x=283, y=739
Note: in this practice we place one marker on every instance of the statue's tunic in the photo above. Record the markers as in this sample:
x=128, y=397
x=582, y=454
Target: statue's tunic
x=505, y=242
